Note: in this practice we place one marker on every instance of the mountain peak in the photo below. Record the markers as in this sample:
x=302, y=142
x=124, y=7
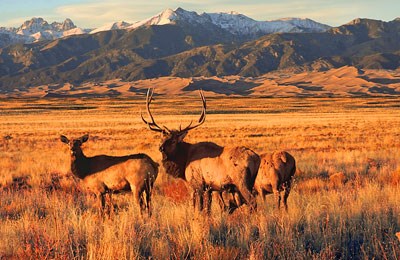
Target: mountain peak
x=363, y=21
x=38, y=25
x=38, y=29
x=165, y=17
x=67, y=25
x=180, y=9
x=34, y=23
x=168, y=16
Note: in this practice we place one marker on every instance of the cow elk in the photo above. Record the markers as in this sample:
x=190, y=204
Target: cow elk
x=206, y=166
x=275, y=175
x=104, y=175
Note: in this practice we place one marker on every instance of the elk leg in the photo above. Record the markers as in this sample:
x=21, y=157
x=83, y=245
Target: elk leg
x=137, y=197
x=227, y=200
x=109, y=207
x=276, y=192
x=101, y=192
x=102, y=201
x=235, y=201
x=221, y=200
x=197, y=200
x=264, y=194
x=148, y=188
x=200, y=196
x=148, y=202
x=248, y=197
x=194, y=200
x=143, y=203
x=277, y=198
x=286, y=194
x=208, y=195
x=103, y=207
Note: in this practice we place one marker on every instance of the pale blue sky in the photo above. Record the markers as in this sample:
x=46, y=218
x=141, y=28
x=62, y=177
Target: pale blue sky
x=95, y=13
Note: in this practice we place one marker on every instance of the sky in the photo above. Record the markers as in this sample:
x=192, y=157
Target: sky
x=96, y=13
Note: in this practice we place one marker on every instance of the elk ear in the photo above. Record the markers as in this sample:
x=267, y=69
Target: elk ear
x=84, y=138
x=182, y=135
x=64, y=139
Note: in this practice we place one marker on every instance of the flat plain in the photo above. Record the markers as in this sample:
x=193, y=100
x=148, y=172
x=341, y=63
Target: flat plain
x=45, y=215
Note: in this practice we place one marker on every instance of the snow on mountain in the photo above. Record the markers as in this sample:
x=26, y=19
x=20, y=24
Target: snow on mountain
x=233, y=22
x=38, y=25
x=75, y=31
x=305, y=24
x=64, y=26
x=168, y=16
x=113, y=26
x=240, y=24
x=38, y=29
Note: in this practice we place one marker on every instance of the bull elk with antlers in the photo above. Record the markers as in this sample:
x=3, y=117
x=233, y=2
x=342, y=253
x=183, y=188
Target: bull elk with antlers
x=206, y=166
x=104, y=175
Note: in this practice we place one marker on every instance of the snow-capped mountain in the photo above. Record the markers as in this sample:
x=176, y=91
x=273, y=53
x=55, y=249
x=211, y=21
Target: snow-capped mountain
x=170, y=16
x=38, y=25
x=242, y=25
x=306, y=25
x=113, y=26
x=235, y=23
x=232, y=23
x=37, y=29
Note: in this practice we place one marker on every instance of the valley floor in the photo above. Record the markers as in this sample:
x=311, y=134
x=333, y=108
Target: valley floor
x=43, y=215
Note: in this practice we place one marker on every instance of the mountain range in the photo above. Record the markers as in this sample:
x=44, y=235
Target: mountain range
x=179, y=43
x=37, y=29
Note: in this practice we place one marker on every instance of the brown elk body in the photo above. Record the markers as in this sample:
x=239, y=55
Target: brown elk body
x=275, y=175
x=104, y=175
x=206, y=166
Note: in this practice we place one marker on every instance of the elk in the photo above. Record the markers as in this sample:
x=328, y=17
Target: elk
x=104, y=175
x=274, y=176
x=205, y=166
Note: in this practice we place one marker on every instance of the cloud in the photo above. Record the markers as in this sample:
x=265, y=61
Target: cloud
x=107, y=11
x=332, y=12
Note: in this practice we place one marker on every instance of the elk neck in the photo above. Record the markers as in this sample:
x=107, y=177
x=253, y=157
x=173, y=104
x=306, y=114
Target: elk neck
x=175, y=164
x=79, y=165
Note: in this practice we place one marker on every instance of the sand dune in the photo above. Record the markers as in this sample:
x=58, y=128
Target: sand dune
x=341, y=82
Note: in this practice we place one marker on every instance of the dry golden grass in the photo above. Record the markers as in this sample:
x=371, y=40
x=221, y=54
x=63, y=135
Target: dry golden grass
x=43, y=214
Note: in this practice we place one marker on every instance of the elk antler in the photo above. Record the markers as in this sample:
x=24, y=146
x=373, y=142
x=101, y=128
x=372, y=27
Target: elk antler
x=152, y=125
x=202, y=118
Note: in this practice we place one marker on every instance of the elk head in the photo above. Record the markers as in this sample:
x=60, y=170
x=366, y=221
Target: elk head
x=171, y=138
x=75, y=144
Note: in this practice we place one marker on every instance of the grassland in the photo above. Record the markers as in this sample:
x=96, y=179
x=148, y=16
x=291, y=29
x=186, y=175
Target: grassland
x=43, y=214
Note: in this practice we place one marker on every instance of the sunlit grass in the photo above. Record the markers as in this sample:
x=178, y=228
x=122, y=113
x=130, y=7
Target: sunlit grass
x=44, y=215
